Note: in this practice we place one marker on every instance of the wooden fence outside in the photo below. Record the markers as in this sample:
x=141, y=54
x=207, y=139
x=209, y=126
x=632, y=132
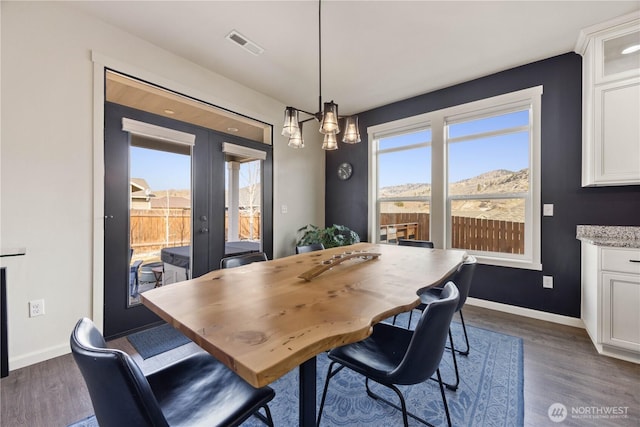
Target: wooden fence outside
x=422, y=219
x=154, y=229
x=468, y=233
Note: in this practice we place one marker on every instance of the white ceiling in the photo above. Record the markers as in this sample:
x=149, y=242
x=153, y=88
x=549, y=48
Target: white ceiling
x=374, y=52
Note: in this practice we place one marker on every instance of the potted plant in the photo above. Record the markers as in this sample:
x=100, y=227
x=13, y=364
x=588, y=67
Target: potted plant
x=330, y=237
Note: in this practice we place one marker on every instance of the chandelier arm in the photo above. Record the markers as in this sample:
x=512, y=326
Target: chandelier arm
x=309, y=119
x=306, y=112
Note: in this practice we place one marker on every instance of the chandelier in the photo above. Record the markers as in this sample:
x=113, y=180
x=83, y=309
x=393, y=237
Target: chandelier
x=327, y=114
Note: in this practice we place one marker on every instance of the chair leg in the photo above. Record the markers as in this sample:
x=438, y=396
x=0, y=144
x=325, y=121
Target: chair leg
x=408, y=324
x=466, y=337
x=444, y=398
x=330, y=374
x=403, y=406
x=265, y=418
x=453, y=387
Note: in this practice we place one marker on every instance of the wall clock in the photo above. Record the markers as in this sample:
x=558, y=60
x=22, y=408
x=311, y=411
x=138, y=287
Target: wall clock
x=344, y=171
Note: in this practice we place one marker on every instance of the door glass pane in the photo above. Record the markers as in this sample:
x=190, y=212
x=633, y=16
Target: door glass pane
x=243, y=206
x=160, y=215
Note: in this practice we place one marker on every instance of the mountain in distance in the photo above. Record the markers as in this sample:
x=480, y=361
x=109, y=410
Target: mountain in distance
x=498, y=181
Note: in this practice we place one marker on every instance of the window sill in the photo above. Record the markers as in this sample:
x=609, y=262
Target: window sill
x=507, y=262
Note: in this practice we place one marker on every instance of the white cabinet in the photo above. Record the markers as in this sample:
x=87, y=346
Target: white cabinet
x=611, y=299
x=611, y=102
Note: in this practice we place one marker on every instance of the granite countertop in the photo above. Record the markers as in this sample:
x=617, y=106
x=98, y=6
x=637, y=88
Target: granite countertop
x=614, y=236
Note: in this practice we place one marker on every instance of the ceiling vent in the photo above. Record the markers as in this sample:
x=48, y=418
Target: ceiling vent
x=244, y=42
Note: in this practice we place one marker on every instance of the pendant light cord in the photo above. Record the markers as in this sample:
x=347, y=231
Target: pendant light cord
x=320, y=56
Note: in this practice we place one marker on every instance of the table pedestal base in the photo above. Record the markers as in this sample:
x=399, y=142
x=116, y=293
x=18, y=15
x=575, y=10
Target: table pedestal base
x=307, y=393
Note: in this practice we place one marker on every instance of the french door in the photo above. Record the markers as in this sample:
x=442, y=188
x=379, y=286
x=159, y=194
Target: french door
x=191, y=231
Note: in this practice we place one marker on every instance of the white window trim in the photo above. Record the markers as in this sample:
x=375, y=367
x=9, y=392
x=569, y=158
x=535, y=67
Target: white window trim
x=148, y=130
x=244, y=152
x=439, y=205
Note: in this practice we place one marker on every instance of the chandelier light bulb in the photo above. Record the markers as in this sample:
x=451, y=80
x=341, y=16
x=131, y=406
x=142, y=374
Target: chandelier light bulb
x=291, y=122
x=296, y=140
x=351, y=132
x=330, y=142
x=329, y=123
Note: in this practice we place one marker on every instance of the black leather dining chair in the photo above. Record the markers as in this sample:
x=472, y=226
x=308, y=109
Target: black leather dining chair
x=195, y=391
x=393, y=356
x=244, y=259
x=309, y=248
x=134, y=281
x=416, y=243
x=462, y=278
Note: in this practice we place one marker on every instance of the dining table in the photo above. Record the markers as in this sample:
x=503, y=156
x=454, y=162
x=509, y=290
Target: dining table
x=265, y=319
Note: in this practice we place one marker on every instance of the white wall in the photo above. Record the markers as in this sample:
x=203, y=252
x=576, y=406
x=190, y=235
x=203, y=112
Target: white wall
x=47, y=153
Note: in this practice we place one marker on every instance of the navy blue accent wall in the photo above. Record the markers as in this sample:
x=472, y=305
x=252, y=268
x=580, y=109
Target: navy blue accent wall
x=561, y=76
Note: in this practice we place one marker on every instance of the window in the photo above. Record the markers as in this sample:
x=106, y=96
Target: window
x=404, y=165
x=465, y=177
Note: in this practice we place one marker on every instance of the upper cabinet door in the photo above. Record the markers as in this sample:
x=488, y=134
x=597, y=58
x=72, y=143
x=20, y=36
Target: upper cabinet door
x=617, y=133
x=611, y=102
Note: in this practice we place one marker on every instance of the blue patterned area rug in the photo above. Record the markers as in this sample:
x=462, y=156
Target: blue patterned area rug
x=490, y=392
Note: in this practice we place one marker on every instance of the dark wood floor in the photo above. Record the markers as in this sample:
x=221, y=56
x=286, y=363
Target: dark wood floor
x=560, y=365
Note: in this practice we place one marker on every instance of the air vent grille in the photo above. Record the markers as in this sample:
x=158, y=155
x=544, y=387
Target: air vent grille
x=237, y=38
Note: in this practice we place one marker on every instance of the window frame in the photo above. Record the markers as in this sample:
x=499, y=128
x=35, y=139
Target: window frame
x=408, y=147
x=440, y=200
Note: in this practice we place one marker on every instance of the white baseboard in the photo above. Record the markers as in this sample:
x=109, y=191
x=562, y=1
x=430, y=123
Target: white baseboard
x=527, y=312
x=38, y=356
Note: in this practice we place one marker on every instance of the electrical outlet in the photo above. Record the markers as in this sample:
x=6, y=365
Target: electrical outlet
x=36, y=308
x=547, y=209
x=547, y=282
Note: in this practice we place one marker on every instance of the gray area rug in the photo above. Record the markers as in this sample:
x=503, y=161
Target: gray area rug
x=490, y=392
x=159, y=339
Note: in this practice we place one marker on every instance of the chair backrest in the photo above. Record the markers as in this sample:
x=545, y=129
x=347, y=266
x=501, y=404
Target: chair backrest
x=238, y=260
x=119, y=391
x=425, y=350
x=309, y=248
x=416, y=243
x=462, y=278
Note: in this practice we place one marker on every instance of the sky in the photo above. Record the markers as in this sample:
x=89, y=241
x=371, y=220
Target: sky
x=168, y=171
x=161, y=170
x=467, y=159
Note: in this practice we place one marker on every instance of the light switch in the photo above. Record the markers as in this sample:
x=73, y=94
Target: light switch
x=283, y=209
x=547, y=209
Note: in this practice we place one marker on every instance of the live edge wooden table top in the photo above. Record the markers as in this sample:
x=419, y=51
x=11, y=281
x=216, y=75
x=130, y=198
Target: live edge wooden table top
x=262, y=320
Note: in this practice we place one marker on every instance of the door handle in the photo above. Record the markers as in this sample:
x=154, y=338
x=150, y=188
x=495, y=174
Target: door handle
x=204, y=230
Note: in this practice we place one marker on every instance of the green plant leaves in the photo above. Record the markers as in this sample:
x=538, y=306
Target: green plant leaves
x=330, y=237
